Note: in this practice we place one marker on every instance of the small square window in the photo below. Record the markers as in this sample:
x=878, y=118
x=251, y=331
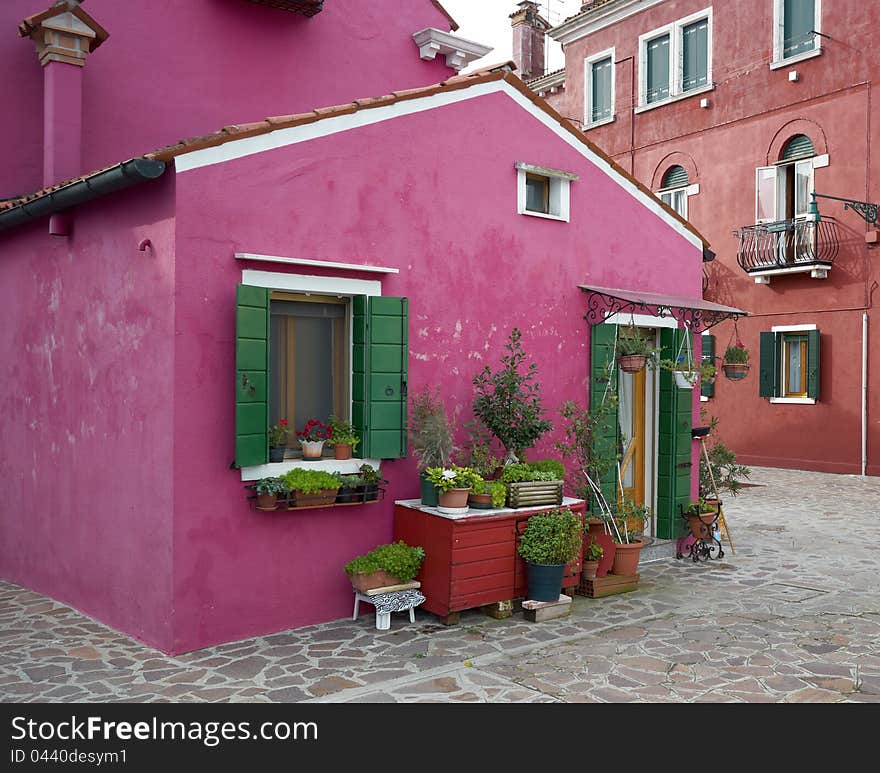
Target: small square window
x=538, y=193
x=543, y=192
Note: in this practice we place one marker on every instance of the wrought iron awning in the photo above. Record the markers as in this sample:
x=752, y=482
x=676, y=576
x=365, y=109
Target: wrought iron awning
x=694, y=313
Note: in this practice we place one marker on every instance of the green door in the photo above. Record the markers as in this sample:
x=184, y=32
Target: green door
x=604, y=375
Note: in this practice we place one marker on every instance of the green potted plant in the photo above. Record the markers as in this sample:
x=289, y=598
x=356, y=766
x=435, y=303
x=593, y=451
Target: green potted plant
x=735, y=363
x=268, y=490
x=686, y=372
x=700, y=516
x=508, y=402
x=592, y=553
x=453, y=484
x=628, y=525
x=528, y=485
x=488, y=495
x=312, y=438
x=431, y=438
x=371, y=478
x=550, y=542
x=352, y=489
x=343, y=438
x=311, y=488
x=278, y=440
x=634, y=350
x=385, y=565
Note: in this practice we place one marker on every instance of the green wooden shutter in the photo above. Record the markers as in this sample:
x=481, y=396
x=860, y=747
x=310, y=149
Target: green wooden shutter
x=601, y=354
x=695, y=56
x=658, y=69
x=379, y=375
x=798, y=26
x=251, y=376
x=601, y=90
x=708, y=390
x=674, y=443
x=813, y=372
x=676, y=177
x=768, y=382
x=799, y=146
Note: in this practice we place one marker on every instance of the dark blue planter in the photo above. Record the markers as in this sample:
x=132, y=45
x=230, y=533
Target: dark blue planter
x=544, y=581
x=429, y=493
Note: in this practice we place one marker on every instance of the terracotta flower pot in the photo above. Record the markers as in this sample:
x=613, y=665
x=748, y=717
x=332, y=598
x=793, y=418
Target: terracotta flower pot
x=454, y=498
x=589, y=569
x=379, y=579
x=626, y=558
x=480, y=501
x=267, y=501
x=632, y=363
x=735, y=370
x=342, y=451
x=312, y=449
x=701, y=525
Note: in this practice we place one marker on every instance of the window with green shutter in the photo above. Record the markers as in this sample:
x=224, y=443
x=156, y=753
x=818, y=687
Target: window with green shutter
x=251, y=376
x=695, y=55
x=674, y=442
x=658, y=69
x=790, y=365
x=379, y=375
x=799, y=18
x=600, y=80
x=707, y=389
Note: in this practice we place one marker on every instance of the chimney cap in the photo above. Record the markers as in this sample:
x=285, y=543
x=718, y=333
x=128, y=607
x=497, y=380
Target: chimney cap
x=71, y=8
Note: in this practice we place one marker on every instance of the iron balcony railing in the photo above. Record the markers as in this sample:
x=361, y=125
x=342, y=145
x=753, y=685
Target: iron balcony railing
x=787, y=244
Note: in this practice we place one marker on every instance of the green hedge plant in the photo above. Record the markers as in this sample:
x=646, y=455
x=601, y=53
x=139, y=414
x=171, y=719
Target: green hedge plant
x=553, y=537
x=517, y=473
x=310, y=481
x=397, y=558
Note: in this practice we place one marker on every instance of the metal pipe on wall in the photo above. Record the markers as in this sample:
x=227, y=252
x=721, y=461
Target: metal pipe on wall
x=864, y=393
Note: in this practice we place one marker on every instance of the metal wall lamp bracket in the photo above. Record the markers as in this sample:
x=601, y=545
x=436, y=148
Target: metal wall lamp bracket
x=865, y=209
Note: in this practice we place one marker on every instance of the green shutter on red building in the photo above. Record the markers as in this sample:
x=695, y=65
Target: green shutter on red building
x=379, y=375
x=768, y=377
x=674, y=443
x=813, y=371
x=604, y=375
x=708, y=390
x=251, y=376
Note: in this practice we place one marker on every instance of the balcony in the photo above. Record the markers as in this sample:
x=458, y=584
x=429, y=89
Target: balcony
x=788, y=247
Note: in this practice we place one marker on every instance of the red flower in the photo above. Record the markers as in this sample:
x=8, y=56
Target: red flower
x=282, y=422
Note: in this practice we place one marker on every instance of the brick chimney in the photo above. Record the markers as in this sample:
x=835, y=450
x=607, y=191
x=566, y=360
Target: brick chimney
x=64, y=35
x=529, y=29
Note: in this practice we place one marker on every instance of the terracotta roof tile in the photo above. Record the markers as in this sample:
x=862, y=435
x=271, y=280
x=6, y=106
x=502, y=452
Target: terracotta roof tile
x=453, y=24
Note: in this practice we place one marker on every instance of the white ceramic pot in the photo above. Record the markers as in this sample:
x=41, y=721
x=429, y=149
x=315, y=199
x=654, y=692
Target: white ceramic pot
x=312, y=449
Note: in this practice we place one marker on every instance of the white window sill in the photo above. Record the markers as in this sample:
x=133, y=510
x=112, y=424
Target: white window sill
x=274, y=469
x=704, y=399
x=780, y=63
x=600, y=122
x=544, y=215
x=793, y=400
x=675, y=98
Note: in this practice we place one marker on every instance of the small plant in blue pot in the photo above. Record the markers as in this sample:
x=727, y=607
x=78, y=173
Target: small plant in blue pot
x=550, y=541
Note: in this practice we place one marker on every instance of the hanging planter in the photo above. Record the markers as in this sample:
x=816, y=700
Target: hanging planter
x=632, y=363
x=736, y=362
x=686, y=379
x=633, y=350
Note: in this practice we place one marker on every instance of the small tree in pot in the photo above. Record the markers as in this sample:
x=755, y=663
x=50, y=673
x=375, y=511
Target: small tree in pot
x=509, y=402
x=550, y=541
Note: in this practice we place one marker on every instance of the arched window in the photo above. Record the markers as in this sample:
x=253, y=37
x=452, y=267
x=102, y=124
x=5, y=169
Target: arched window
x=799, y=146
x=783, y=190
x=673, y=189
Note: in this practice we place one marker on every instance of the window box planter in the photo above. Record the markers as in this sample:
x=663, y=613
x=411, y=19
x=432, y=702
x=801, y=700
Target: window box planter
x=534, y=493
x=299, y=499
x=378, y=579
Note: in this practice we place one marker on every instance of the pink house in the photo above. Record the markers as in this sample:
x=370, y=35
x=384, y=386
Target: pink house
x=446, y=214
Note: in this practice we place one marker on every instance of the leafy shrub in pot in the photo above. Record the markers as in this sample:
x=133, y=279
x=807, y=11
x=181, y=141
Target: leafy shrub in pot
x=389, y=564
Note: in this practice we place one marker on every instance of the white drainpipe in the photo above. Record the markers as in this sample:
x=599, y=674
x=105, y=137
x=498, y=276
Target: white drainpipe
x=864, y=393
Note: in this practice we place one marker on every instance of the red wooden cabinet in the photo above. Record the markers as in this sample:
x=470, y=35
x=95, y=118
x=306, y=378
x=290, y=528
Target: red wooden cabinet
x=473, y=560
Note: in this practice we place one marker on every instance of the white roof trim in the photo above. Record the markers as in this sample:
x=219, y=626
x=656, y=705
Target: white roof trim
x=579, y=27
x=247, y=146
x=322, y=263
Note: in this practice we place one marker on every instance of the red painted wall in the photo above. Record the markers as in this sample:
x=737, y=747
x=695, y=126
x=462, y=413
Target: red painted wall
x=753, y=111
x=174, y=69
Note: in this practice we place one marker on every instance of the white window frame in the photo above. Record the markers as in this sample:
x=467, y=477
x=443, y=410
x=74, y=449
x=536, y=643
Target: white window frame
x=815, y=162
x=779, y=36
x=589, y=123
x=319, y=285
x=560, y=194
x=675, y=30
x=782, y=365
x=686, y=192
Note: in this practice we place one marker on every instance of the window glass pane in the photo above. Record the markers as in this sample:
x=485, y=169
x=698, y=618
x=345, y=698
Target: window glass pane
x=666, y=198
x=795, y=365
x=601, y=79
x=625, y=418
x=695, y=41
x=679, y=202
x=658, y=69
x=766, y=194
x=803, y=186
x=798, y=20
x=537, y=189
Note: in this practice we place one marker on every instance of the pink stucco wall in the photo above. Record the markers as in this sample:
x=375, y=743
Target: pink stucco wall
x=86, y=413
x=175, y=69
x=433, y=194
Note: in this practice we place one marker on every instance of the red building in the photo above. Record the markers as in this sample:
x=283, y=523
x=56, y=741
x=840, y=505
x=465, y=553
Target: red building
x=734, y=114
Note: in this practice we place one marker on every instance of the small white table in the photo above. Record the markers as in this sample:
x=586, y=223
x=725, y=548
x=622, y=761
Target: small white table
x=392, y=598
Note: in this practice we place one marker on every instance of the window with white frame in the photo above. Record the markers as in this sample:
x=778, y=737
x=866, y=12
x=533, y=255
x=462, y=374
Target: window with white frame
x=676, y=60
x=790, y=364
x=543, y=192
x=795, y=24
x=674, y=189
x=782, y=191
x=599, y=88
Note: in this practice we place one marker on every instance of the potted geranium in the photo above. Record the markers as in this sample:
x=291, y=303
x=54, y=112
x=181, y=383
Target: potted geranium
x=385, y=565
x=342, y=438
x=312, y=438
x=735, y=363
x=278, y=440
x=550, y=542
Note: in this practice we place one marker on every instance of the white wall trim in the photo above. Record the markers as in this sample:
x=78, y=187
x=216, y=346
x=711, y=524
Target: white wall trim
x=779, y=34
x=641, y=320
x=821, y=161
x=581, y=27
x=793, y=400
x=321, y=263
x=302, y=283
x=588, y=86
x=279, y=138
x=792, y=328
x=274, y=469
x=459, y=51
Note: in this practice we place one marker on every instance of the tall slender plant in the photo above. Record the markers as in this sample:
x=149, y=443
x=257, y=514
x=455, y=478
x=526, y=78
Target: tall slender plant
x=508, y=401
x=430, y=431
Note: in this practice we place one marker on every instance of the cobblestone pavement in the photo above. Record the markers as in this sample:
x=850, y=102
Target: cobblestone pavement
x=793, y=616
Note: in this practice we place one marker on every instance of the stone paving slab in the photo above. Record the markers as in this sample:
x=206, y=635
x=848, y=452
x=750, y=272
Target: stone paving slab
x=792, y=616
